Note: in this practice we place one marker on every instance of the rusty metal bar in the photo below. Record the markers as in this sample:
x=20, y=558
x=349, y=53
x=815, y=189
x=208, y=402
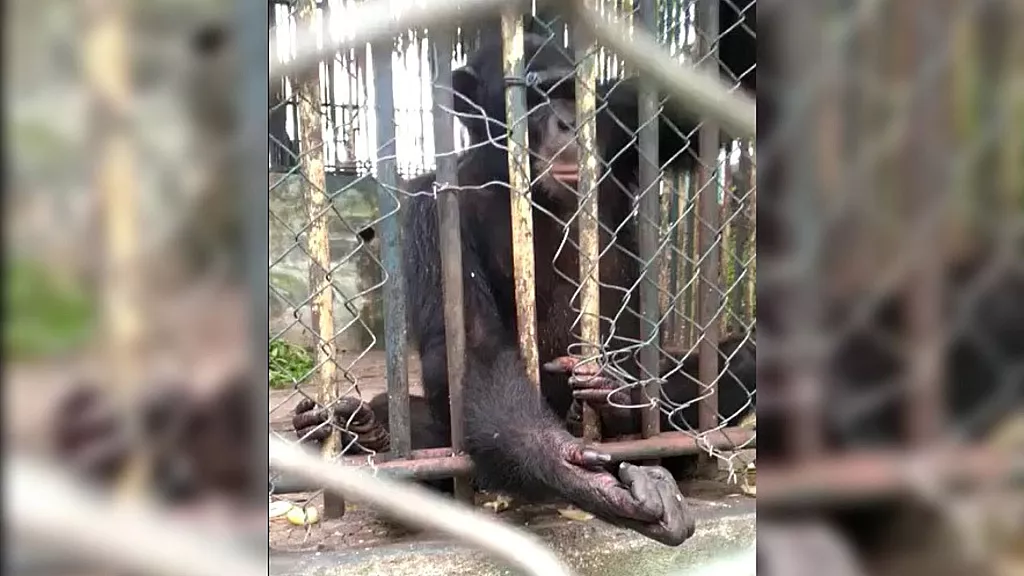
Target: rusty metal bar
x=440, y=463
x=395, y=329
x=589, y=231
x=928, y=146
x=649, y=220
x=108, y=69
x=450, y=232
x=801, y=216
x=708, y=224
x=884, y=474
x=521, y=198
x=318, y=245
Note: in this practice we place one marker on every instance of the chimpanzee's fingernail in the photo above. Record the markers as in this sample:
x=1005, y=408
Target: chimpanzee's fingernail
x=595, y=458
x=563, y=364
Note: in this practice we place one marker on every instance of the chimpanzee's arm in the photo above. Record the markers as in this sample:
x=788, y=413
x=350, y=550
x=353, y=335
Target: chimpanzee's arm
x=516, y=442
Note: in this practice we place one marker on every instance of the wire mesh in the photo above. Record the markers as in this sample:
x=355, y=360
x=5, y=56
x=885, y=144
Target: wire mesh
x=678, y=244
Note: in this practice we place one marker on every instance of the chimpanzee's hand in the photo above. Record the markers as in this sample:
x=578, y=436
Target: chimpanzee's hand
x=351, y=415
x=589, y=383
x=643, y=498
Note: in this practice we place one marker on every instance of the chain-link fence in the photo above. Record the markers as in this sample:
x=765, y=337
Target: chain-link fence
x=875, y=247
x=652, y=353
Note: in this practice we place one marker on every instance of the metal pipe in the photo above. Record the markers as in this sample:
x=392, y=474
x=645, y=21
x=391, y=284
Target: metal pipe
x=440, y=463
x=395, y=329
x=450, y=236
x=929, y=186
x=885, y=474
x=587, y=221
x=802, y=215
x=649, y=220
x=693, y=91
x=318, y=245
x=519, y=184
x=708, y=236
x=49, y=508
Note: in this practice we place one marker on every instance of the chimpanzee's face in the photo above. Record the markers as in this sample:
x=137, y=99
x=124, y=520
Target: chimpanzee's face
x=554, y=148
x=550, y=88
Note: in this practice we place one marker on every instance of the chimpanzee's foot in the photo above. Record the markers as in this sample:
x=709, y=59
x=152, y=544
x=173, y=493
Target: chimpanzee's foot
x=350, y=414
x=645, y=499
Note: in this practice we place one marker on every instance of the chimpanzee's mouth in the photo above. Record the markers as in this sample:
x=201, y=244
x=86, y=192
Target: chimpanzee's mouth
x=565, y=172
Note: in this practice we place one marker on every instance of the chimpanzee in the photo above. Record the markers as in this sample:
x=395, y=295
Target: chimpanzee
x=517, y=438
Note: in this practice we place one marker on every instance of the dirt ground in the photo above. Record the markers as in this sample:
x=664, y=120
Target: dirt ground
x=363, y=528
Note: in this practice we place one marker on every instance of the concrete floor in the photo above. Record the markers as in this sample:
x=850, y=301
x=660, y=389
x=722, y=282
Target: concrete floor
x=592, y=548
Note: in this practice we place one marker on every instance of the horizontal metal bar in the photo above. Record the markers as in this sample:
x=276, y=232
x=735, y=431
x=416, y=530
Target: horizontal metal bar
x=885, y=474
x=440, y=463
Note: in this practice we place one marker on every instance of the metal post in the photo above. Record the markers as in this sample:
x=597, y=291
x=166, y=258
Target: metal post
x=801, y=210
x=521, y=199
x=108, y=68
x=928, y=147
x=649, y=186
x=395, y=330
x=449, y=230
x=589, y=230
x=707, y=291
x=318, y=246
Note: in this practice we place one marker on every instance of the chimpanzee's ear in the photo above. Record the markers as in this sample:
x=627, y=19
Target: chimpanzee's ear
x=466, y=84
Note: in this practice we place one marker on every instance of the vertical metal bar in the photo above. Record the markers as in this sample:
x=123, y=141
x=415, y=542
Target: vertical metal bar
x=589, y=231
x=688, y=249
x=708, y=220
x=521, y=199
x=108, y=69
x=801, y=210
x=395, y=329
x=318, y=246
x=649, y=185
x=450, y=232
x=330, y=82
x=927, y=145
x=252, y=101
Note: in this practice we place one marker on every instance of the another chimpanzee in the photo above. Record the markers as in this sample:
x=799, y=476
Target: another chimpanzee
x=517, y=438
